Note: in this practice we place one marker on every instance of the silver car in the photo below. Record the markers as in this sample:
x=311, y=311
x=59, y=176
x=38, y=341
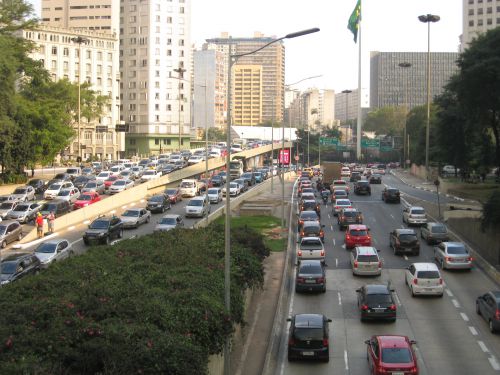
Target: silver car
x=198, y=207
x=94, y=186
x=53, y=250
x=134, y=217
x=311, y=248
x=24, y=212
x=214, y=195
x=453, y=255
x=169, y=222
x=365, y=261
x=6, y=208
x=120, y=185
x=70, y=195
x=434, y=233
x=24, y=193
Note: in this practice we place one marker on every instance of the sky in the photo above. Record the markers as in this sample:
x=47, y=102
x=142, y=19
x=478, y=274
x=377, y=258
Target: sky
x=387, y=26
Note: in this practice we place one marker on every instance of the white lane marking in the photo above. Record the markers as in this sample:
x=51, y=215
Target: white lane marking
x=329, y=216
x=393, y=216
x=78, y=240
x=334, y=242
x=340, y=298
x=482, y=346
x=450, y=294
x=86, y=222
x=396, y=297
x=331, y=227
x=404, y=256
x=464, y=316
x=473, y=331
x=455, y=303
x=71, y=227
x=346, y=361
x=343, y=246
x=336, y=262
x=494, y=363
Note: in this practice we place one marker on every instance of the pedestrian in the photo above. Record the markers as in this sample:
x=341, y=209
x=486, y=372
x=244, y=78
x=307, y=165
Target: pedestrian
x=51, y=218
x=39, y=225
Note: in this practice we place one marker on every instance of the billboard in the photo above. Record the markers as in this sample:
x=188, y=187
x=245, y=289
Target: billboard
x=284, y=156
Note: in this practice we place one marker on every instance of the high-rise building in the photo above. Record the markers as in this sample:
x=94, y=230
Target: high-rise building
x=392, y=85
x=478, y=17
x=272, y=61
x=247, y=95
x=313, y=109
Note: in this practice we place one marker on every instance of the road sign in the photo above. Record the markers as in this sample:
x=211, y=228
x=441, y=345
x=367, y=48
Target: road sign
x=341, y=147
x=324, y=141
x=386, y=148
x=370, y=143
x=284, y=156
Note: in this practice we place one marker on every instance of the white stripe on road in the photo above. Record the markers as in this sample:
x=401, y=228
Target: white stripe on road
x=78, y=240
x=334, y=242
x=494, y=363
x=455, y=303
x=346, y=361
x=336, y=262
x=340, y=298
x=331, y=226
x=450, y=294
x=396, y=297
x=393, y=216
x=464, y=316
x=483, y=346
x=473, y=331
x=404, y=256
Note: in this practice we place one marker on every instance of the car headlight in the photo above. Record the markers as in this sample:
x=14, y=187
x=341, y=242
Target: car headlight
x=101, y=234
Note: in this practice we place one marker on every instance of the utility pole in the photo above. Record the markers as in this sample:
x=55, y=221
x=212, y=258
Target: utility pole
x=180, y=71
x=79, y=40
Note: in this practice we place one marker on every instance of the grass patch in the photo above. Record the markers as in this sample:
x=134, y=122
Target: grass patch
x=479, y=192
x=269, y=226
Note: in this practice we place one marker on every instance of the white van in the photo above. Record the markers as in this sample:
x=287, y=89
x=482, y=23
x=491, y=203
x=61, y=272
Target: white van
x=190, y=188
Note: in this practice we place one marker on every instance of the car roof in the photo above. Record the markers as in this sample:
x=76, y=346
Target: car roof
x=198, y=198
x=308, y=213
x=425, y=266
x=311, y=224
x=357, y=227
x=135, y=209
x=405, y=231
x=366, y=250
x=170, y=216
x=454, y=244
x=377, y=289
x=309, y=320
x=416, y=208
x=310, y=262
x=54, y=241
x=393, y=341
x=15, y=256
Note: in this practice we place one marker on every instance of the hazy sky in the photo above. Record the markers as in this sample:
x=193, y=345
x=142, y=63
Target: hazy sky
x=388, y=25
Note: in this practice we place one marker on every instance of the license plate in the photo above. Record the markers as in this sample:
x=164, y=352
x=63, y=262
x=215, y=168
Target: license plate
x=378, y=309
x=310, y=281
x=310, y=354
x=398, y=373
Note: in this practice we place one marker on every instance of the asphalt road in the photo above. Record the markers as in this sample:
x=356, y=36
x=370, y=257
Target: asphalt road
x=451, y=338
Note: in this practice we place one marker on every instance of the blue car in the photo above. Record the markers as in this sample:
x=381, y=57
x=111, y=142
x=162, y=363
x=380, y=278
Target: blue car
x=258, y=177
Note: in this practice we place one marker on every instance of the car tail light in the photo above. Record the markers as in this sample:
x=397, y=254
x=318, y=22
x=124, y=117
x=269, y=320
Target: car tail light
x=379, y=264
x=301, y=222
x=415, y=281
x=392, y=307
x=448, y=259
x=291, y=341
x=325, y=341
x=300, y=279
x=322, y=234
x=355, y=264
x=470, y=259
x=322, y=253
x=299, y=253
x=364, y=307
x=337, y=207
x=398, y=243
x=302, y=233
x=497, y=314
x=440, y=281
x=320, y=280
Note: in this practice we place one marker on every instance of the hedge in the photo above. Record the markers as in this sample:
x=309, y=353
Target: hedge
x=149, y=305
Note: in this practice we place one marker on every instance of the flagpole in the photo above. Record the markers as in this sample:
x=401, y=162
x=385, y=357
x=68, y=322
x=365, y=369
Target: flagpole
x=358, y=128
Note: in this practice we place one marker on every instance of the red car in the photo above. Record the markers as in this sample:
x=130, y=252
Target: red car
x=86, y=199
x=357, y=235
x=109, y=181
x=391, y=354
x=174, y=194
x=207, y=182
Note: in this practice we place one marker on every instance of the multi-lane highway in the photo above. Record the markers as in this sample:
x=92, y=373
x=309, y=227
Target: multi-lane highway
x=451, y=338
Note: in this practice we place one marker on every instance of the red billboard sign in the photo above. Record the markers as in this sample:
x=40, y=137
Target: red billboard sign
x=284, y=156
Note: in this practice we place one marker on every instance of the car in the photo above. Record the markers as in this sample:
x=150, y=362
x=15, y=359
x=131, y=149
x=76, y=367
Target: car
x=414, y=215
x=403, y=240
x=174, y=194
x=452, y=255
x=104, y=175
x=80, y=181
x=88, y=171
x=307, y=197
x=18, y=265
x=127, y=175
x=110, y=181
x=362, y=187
x=450, y=170
x=133, y=217
x=205, y=183
x=6, y=208
x=24, y=212
x=71, y=195
x=217, y=180
x=310, y=277
x=308, y=172
x=38, y=184
x=24, y=193
x=7, y=198
x=306, y=190
x=391, y=354
x=375, y=301
x=195, y=159
x=339, y=194
x=198, y=207
x=342, y=184
x=57, y=206
x=375, y=178
x=355, y=176
x=120, y=185
x=258, y=177
x=243, y=184
x=169, y=222
x=54, y=189
x=103, y=230
x=365, y=261
x=488, y=306
x=10, y=231
x=86, y=199
x=190, y=187
x=137, y=171
x=357, y=235
x=310, y=205
x=53, y=250
x=308, y=337
x=249, y=176
x=63, y=177
x=424, y=279
x=311, y=248
x=348, y=216
x=116, y=169
x=181, y=164
x=306, y=216
x=234, y=189
x=150, y=174
x=434, y=233
x=214, y=195
x=96, y=186
x=345, y=172
x=159, y=203
x=340, y=204
x=390, y=194
x=74, y=172
x=312, y=229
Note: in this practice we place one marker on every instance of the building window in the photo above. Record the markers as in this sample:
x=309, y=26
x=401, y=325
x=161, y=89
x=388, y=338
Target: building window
x=169, y=107
x=132, y=19
x=471, y=12
x=157, y=141
x=53, y=64
x=132, y=142
x=498, y=21
x=489, y=21
x=66, y=52
x=480, y=22
x=54, y=50
x=471, y=23
x=480, y=11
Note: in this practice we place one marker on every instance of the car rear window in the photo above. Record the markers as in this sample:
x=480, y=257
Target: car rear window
x=378, y=298
x=428, y=275
x=350, y=214
x=417, y=211
x=304, y=334
x=407, y=237
x=311, y=268
x=367, y=258
x=457, y=250
x=358, y=232
x=438, y=229
x=311, y=244
x=396, y=355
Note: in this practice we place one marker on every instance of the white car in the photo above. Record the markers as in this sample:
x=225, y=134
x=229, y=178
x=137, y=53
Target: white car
x=134, y=217
x=450, y=170
x=24, y=193
x=414, y=215
x=116, y=169
x=198, y=207
x=71, y=195
x=340, y=204
x=234, y=189
x=311, y=248
x=195, y=159
x=424, y=279
x=149, y=175
x=169, y=222
x=214, y=195
x=53, y=250
x=6, y=208
x=345, y=172
x=54, y=189
x=120, y=185
x=103, y=176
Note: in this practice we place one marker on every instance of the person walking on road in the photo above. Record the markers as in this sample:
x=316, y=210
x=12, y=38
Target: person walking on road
x=51, y=218
x=39, y=225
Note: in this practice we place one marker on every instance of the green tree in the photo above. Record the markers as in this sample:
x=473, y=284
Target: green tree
x=385, y=121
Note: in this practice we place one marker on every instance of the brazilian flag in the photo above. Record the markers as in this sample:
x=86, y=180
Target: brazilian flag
x=354, y=19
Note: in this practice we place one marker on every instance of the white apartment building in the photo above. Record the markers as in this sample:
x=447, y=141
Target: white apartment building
x=155, y=40
x=313, y=109
x=478, y=17
x=95, y=61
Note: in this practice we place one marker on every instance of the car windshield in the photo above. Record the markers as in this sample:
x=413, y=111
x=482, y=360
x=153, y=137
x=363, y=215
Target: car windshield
x=396, y=355
x=63, y=193
x=55, y=187
x=358, y=232
x=438, y=229
x=131, y=213
x=2, y=229
x=456, y=250
x=149, y=173
x=87, y=170
x=306, y=334
x=22, y=207
x=195, y=202
x=233, y=185
x=378, y=298
x=119, y=183
x=99, y=224
x=428, y=274
x=72, y=170
x=246, y=175
x=363, y=183
x=311, y=244
x=309, y=215
x=85, y=197
x=90, y=185
x=392, y=191
x=367, y=258
x=213, y=191
x=46, y=248
x=104, y=174
x=33, y=183
x=8, y=268
x=171, y=192
x=417, y=211
x=6, y=206
x=168, y=221
x=343, y=203
x=49, y=207
x=187, y=184
x=20, y=191
x=407, y=237
x=312, y=229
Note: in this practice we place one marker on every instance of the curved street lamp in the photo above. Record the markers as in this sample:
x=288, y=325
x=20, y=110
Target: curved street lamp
x=405, y=65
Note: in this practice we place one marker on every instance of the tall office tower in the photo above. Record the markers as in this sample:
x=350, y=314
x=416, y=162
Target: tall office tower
x=346, y=106
x=478, y=17
x=327, y=108
x=392, y=85
x=247, y=95
x=155, y=54
x=272, y=60
x=208, y=84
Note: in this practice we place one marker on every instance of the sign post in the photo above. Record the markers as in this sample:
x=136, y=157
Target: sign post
x=284, y=157
x=324, y=141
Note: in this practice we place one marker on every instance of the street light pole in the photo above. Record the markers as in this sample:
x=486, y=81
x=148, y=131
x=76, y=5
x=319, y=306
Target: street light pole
x=79, y=40
x=272, y=151
x=180, y=70
x=405, y=65
x=346, y=92
x=227, y=232
x=428, y=18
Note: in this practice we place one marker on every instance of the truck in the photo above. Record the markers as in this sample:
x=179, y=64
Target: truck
x=331, y=171
x=237, y=166
x=191, y=187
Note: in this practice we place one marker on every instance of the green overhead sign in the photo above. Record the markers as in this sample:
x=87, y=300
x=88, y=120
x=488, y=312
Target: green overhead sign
x=370, y=143
x=323, y=141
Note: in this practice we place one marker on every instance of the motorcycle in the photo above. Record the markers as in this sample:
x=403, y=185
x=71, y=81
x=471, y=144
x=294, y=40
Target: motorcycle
x=324, y=196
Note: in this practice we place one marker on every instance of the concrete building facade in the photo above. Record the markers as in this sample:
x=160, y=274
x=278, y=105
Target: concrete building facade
x=247, y=95
x=478, y=17
x=313, y=109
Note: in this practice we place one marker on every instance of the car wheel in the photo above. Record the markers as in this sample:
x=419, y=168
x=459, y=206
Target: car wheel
x=4, y=244
x=86, y=242
x=120, y=233
x=441, y=264
x=412, y=292
x=492, y=328
x=107, y=241
x=478, y=311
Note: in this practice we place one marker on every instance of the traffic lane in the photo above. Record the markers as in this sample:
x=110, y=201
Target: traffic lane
x=429, y=196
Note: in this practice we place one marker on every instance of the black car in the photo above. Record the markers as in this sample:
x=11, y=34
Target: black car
x=355, y=176
x=159, y=203
x=311, y=277
x=103, y=230
x=376, y=302
x=310, y=205
x=375, y=179
x=391, y=195
x=62, y=177
x=248, y=176
x=404, y=241
x=16, y=266
x=348, y=216
x=217, y=180
x=39, y=185
x=488, y=306
x=362, y=187
x=80, y=181
x=309, y=337
x=312, y=229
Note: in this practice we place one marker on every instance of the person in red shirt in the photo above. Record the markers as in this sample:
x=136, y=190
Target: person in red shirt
x=39, y=225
